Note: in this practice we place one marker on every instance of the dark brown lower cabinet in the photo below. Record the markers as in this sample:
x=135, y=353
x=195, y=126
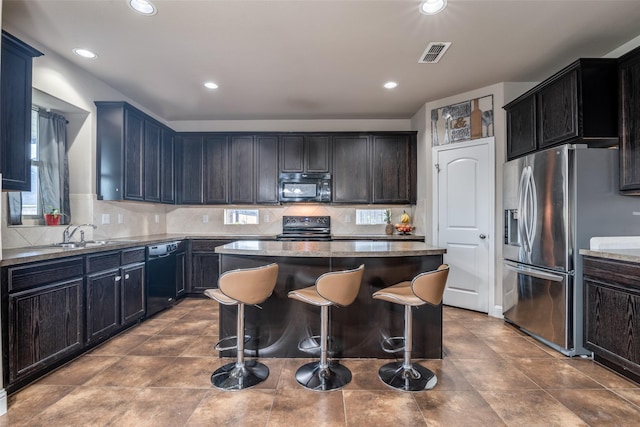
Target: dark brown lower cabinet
x=42, y=311
x=204, y=265
x=133, y=293
x=612, y=313
x=103, y=316
x=45, y=326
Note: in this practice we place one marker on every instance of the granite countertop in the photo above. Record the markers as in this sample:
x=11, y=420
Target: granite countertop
x=629, y=255
x=357, y=248
x=47, y=252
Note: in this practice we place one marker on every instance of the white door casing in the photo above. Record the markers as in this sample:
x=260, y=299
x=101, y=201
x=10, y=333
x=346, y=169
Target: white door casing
x=464, y=199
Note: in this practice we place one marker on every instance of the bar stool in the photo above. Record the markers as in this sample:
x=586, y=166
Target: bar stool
x=338, y=288
x=425, y=288
x=239, y=287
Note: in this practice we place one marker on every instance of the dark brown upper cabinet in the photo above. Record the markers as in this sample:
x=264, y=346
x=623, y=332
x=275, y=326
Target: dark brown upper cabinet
x=351, y=169
x=216, y=169
x=577, y=104
x=393, y=169
x=377, y=168
x=129, y=156
x=521, y=129
x=305, y=153
x=629, y=86
x=15, y=113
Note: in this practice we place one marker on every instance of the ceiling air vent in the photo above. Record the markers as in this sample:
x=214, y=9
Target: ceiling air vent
x=434, y=52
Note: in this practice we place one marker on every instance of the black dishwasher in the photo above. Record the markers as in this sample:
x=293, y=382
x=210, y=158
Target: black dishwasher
x=161, y=277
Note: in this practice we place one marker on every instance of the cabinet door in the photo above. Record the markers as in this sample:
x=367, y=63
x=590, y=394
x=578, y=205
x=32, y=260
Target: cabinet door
x=15, y=114
x=103, y=302
x=292, y=153
x=152, y=161
x=190, y=161
x=133, y=155
x=351, y=180
x=521, y=129
x=267, y=168
x=391, y=169
x=133, y=293
x=181, y=274
x=216, y=167
x=317, y=153
x=204, y=271
x=242, y=170
x=167, y=167
x=629, y=81
x=45, y=325
x=558, y=111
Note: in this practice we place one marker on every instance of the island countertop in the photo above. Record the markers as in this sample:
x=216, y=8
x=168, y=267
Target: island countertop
x=334, y=249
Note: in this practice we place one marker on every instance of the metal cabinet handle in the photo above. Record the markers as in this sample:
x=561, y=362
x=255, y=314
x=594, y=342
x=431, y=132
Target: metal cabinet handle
x=126, y=276
x=118, y=278
x=483, y=236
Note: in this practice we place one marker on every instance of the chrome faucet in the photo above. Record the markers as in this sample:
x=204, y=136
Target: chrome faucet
x=66, y=236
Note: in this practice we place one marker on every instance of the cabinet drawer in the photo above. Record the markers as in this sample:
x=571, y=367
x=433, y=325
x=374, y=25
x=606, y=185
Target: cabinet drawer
x=102, y=261
x=30, y=275
x=207, y=245
x=129, y=256
x=610, y=271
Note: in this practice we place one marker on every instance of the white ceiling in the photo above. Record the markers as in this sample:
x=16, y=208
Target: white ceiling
x=318, y=59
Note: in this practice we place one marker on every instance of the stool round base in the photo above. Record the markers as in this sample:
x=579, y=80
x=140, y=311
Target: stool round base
x=232, y=377
x=416, y=378
x=334, y=377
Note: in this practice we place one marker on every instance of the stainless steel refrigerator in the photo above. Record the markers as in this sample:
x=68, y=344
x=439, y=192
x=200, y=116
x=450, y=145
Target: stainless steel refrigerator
x=556, y=200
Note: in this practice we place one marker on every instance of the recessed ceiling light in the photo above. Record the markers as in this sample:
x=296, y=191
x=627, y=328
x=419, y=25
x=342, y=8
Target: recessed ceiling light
x=143, y=7
x=211, y=85
x=85, y=53
x=431, y=7
x=390, y=85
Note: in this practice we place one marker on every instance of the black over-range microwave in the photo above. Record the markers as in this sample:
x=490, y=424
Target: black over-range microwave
x=304, y=187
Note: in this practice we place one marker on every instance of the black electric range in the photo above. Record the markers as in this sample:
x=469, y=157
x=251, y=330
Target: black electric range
x=299, y=228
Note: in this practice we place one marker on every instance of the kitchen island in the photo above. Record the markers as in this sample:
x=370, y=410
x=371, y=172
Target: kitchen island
x=357, y=330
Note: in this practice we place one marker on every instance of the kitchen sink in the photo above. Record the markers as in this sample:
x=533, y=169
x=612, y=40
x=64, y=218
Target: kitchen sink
x=89, y=243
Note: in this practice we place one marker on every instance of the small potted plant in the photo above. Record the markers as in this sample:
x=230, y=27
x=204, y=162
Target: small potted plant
x=52, y=217
x=387, y=218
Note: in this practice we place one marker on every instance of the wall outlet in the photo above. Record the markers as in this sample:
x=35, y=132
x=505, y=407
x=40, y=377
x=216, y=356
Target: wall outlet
x=106, y=219
x=120, y=219
x=205, y=218
x=156, y=218
x=347, y=219
x=265, y=218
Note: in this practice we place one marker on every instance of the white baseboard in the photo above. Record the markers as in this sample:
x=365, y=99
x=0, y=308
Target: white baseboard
x=3, y=402
x=496, y=311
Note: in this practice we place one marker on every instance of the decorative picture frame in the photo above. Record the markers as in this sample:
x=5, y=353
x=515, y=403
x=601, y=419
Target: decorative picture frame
x=463, y=121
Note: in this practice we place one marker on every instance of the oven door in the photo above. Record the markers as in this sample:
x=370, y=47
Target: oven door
x=539, y=301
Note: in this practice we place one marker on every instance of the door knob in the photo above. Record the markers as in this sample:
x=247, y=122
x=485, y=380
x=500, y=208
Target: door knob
x=483, y=236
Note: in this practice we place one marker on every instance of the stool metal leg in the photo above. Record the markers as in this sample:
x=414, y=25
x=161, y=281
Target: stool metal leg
x=239, y=375
x=406, y=375
x=323, y=375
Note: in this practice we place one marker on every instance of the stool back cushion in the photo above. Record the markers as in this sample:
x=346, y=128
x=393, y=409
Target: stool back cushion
x=429, y=286
x=249, y=285
x=340, y=287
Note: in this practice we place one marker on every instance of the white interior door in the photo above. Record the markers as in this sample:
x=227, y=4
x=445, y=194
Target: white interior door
x=464, y=193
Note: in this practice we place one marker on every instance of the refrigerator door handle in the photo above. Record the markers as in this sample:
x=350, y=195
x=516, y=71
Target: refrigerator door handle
x=533, y=272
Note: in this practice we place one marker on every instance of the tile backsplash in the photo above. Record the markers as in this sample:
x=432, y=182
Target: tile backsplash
x=130, y=219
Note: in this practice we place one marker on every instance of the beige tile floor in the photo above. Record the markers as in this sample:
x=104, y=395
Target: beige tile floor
x=157, y=374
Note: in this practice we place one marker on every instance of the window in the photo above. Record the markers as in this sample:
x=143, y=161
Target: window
x=241, y=216
x=370, y=216
x=31, y=199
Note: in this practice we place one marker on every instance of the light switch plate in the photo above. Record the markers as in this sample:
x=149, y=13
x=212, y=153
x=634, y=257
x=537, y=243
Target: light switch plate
x=156, y=218
x=120, y=218
x=106, y=219
x=205, y=218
